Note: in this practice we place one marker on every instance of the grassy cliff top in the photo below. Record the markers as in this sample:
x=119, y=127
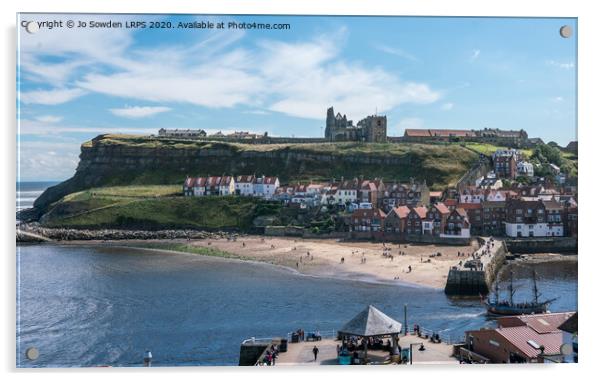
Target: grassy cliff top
x=339, y=148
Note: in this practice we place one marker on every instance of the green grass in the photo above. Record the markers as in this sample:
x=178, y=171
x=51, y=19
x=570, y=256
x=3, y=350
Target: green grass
x=126, y=191
x=111, y=208
x=489, y=149
x=184, y=248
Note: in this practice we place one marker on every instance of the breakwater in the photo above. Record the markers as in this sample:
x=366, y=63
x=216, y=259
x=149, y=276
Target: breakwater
x=36, y=233
x=475, y=276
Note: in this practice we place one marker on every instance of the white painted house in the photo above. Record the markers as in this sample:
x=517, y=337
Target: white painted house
x=227, y=186
x=243, y=185
x=265, y=187
x=346, y=193
x=524, y=168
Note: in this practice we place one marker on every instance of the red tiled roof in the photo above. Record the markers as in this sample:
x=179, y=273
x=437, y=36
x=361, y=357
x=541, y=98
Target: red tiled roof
x=189, y=182
x=461, y=212
x=421, y=211
x=417, y=132
x=368, y=213
x=521, y=336
x=245, y=179
x=441, y=208
x=541, y=323
x=450, y=202
x=467, y=206
x=452, y=133
x=401, y=211
x=225, y=180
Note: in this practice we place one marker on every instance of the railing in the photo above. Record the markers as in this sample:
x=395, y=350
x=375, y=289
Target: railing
x=327, y=334
x=447, y=338
x=258, y=340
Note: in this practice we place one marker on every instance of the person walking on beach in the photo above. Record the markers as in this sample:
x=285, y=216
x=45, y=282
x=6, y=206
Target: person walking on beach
x=315, y=351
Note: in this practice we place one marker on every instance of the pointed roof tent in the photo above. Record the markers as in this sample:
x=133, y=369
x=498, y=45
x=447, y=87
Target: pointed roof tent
x=371, y=322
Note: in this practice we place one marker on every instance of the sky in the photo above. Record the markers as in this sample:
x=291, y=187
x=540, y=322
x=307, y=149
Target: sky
x=421, y=72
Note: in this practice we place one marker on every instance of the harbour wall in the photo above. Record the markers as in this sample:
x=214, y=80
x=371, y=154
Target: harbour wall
x=253, y=350
x=542, y=245
x=466, y=282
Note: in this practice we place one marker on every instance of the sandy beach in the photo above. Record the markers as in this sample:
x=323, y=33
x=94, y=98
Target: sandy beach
x=362, y=261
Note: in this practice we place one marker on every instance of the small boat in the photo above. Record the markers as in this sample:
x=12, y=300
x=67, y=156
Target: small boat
x=509, y=307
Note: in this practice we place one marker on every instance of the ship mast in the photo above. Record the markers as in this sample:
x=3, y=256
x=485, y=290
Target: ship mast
x=535, y=291
x=497, y=292
x=511, y=288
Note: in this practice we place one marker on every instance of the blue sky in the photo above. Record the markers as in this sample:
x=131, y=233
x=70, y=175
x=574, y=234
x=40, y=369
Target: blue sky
x=463, y=73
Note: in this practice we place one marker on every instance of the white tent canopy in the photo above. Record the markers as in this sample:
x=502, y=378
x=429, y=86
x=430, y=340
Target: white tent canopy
x=371, y=322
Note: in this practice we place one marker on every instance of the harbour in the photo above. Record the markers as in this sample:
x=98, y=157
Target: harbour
x=108, y=305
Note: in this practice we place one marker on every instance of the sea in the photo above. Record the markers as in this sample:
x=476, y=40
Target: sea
x=28, y=191
x=88, y=306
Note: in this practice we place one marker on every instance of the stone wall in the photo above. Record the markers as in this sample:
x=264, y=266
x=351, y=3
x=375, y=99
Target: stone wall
x=542, y=245
x=463, y=282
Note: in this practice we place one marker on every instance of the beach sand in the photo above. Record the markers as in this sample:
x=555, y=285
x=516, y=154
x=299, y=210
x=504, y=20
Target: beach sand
x=324, y=258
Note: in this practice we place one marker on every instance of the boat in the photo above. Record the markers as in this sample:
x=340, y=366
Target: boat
x=510, y=307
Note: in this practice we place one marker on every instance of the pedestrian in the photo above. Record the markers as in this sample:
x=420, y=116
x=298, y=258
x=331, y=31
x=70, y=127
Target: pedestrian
x=315, y=351
x=342, y=260
x=410, y=268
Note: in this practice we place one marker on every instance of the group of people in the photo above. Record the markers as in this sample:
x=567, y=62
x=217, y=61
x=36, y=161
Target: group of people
x=271, y=355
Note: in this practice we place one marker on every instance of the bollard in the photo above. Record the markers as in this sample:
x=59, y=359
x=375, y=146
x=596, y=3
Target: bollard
x=148, y=358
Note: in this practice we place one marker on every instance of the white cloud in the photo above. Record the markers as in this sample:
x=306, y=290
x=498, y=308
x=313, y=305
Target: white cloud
x=561, y=65
x=40, y=161
x=50, y=97
x=41, y=129
x=138, y=111
x=406, y=123
x=257, y=112
x=475, y=54
x=300, y=78
x=396, y=52
x=49, y=118
x=447, y=106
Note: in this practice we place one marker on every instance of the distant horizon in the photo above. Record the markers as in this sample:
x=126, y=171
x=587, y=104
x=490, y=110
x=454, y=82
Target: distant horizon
x=422, y=72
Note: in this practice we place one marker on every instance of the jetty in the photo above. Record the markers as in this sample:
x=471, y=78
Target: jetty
x=473, y=276
x=369, y=338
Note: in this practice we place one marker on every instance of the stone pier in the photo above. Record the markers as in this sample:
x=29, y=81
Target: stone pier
x=466, y=281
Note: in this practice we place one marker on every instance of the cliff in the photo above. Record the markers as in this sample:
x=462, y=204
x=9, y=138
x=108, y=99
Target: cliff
x=109, y=160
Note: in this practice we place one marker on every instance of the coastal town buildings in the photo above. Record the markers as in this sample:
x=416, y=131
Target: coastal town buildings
x=457, y=225
x=413, y=194
x=265, y=186
x=505, y=163
x=524, y=168
x=243, y=185
x=411, y=211
x=183, y=134
x=533, y=219
x=520, y=339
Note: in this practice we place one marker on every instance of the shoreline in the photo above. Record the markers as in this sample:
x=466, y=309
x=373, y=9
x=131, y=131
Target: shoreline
x=344, y=276
x=367, y=262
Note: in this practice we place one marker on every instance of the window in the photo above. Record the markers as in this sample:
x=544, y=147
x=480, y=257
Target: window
x=494, y=343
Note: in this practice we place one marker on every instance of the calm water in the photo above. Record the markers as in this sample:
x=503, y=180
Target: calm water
x=28, y=191
x=94, y=306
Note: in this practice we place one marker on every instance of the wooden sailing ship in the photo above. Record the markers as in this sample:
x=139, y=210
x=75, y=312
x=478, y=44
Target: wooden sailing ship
x=510, y=307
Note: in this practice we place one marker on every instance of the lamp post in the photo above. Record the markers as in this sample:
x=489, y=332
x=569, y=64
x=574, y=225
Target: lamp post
x=411, y=351
x=405, y=319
